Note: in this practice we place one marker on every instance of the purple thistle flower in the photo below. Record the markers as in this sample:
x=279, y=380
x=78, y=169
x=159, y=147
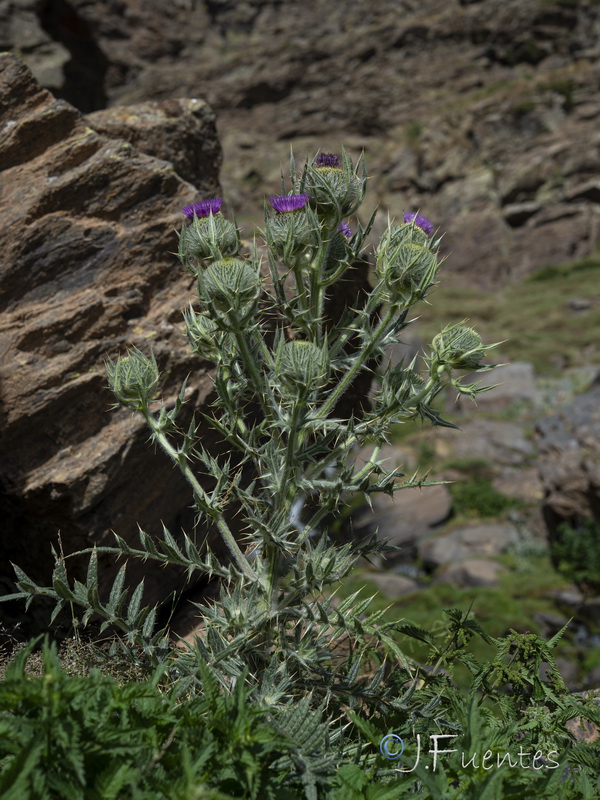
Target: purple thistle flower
x=288, y=202
x=203, y=208
x=345, y=229
x=328, y=160
x=420, y=221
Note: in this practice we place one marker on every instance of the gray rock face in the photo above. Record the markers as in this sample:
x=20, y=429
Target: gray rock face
x=393, y=586
x=407, y=517
x=501, y=443
x=569, y=461
x=461, y=544
x=513, y=383
x=86, y=268
x=472, y=572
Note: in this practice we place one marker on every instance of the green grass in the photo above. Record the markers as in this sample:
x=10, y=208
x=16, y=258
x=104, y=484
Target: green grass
x=476, y=497
x=532, y=317
x=520, y=595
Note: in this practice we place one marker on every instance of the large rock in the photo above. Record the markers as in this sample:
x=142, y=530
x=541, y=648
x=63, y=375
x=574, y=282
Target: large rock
x=513, y=384
x=472, y=572
x=181, y=132
x=463, y=543
x=499, y=442
x=569, y=461
x=405, y=518
x=86, y=268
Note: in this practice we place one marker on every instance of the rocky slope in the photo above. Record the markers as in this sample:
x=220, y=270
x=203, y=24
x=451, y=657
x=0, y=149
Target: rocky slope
x=86, y=269
x=483, y=113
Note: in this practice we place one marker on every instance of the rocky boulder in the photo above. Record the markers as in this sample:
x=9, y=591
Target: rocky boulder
x=464, y=543
x=87, y=237
x=569, y=461
x=471, y=572
x=406, y=518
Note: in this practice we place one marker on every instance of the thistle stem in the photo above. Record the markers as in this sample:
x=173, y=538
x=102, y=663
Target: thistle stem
x=290, y=451
x=201, y=496
x=317, y=293
x=253, y=371
x=363, y=356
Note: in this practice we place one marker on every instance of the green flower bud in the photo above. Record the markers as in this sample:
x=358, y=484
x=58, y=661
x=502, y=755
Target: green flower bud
x=458, y=347
x=335, y=188
x=399, y=386
x=202, y=333
x=292, y=234
x=406, y=263
x=230, y=288
x=133, y=379
x=301, y=367
x=207, y=237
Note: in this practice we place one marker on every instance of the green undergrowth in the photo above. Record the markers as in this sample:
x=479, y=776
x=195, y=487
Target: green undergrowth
x=543, y=300
x=522, y=594
x=477, y=498
x=66, y=737
x=576, y=552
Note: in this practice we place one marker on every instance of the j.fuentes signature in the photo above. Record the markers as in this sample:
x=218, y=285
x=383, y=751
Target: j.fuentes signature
x=392, y=747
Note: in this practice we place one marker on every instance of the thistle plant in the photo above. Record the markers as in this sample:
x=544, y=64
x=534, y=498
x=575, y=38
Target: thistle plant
x=281, y=683
x=281, y=368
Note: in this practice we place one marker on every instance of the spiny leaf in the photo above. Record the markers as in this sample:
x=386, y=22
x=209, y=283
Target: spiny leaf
x=134, y=603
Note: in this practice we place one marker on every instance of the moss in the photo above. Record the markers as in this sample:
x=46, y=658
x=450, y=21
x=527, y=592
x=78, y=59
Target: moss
x=470, y=465
x=576, y=553
x=591, y=660
x=412, y=133
x=476, y=497
x=563, y=87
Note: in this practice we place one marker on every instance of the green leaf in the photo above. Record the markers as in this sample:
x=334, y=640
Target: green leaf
x=15, y=781
x=417, y=633
x=117, y=593
x=134, y=603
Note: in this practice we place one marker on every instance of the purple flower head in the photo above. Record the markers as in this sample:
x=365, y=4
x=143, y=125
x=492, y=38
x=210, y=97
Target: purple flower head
x=420, y=221
x=203, y=208
x=328, y=160
x=345, y=229
x=288, y=202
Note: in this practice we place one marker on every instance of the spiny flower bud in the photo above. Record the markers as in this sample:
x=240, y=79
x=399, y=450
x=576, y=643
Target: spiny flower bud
x=230, y=286
x=335, y=188
x=301, y=366
x=405, y=262
x=458, y=347
x=133, y=379
x=209, y=235
x=202, y=332
x=399, y=385
x=292, y=233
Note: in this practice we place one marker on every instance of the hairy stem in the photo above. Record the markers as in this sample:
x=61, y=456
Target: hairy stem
x=201, y=496
x=362, y=358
